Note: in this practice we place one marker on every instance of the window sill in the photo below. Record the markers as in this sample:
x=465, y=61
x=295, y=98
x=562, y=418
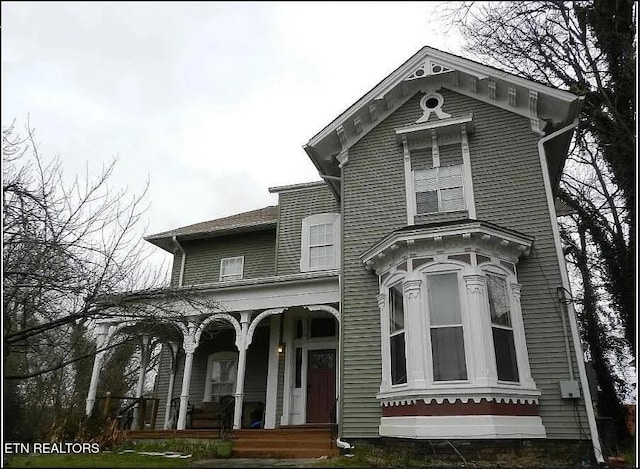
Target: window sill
x=437, y=217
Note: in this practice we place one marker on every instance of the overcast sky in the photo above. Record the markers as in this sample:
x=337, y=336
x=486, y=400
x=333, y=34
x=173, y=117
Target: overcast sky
x=211, y=102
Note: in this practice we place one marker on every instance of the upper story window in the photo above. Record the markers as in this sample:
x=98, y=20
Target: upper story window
x=231, y=268
x=397, y=336
x=320, y=247
x=447, y=333
x=439, y=189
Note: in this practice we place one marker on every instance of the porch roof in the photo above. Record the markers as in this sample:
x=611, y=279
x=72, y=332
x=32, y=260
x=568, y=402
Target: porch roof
x=253, y=220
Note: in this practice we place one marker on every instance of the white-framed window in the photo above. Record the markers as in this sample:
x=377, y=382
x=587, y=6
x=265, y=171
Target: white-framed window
x=446, y=327
x=320, y=244
x=397, y=345
x=501, y=328
x=231, y=268
x=222, y=371
x=439, y=189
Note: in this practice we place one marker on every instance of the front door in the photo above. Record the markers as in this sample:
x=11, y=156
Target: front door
x=321, y=385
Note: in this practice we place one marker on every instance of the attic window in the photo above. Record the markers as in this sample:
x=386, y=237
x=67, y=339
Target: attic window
x=431, y=103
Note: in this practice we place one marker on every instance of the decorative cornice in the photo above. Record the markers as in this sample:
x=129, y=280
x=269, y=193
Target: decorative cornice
x=430, y=240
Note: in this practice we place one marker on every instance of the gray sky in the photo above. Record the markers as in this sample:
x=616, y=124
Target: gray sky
x=209, y=101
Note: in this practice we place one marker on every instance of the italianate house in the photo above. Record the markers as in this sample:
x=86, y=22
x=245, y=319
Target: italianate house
x=417, y=291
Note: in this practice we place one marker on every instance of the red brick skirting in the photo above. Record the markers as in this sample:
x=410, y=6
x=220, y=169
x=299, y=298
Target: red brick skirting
x=483, y=407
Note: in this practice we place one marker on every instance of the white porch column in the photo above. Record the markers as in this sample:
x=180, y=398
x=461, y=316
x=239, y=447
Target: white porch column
x=483, y=360
x=385, y=382
x=272, y=374
x=414, y=328
x=173, y=349
x=241, y=343
x=97, y=365
x=522, y=354
x=144, y=362
x=189, y=345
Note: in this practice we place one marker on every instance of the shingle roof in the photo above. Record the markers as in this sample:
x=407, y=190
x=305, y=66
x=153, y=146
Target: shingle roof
x=261, y=217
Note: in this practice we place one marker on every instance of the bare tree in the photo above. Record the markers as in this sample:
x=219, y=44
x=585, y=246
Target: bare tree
x=73, y=254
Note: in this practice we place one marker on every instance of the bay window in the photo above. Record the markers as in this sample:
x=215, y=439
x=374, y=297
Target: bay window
x=502, y=330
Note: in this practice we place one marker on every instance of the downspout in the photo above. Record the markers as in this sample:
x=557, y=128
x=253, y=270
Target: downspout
x=565, y=284
x=183, y=260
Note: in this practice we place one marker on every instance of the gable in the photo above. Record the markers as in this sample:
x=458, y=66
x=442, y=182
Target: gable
x=545, y=108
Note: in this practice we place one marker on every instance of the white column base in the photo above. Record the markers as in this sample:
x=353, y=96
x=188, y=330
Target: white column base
x=463, y=427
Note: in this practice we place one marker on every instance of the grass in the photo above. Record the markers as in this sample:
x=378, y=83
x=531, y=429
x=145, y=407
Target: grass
x=372, y=456
x=197, y=451
x=95, y=460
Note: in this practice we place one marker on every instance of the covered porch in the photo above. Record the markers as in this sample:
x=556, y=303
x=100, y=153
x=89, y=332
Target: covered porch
x=243, y=368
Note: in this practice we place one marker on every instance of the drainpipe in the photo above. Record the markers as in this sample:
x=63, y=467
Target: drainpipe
x=183, y=259
x=565, y=284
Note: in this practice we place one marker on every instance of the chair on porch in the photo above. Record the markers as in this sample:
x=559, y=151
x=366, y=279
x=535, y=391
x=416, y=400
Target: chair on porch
x=216, y=414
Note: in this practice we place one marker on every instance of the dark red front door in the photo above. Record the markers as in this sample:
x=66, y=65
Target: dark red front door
x=321, y=385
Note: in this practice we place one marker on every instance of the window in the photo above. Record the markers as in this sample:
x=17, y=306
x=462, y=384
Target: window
x=322, y=327
x=222, y=370
x=502, y=330
x=396, y=336
x=231, y=268
x=439, y=189
x=447, y=336
x=320, y=247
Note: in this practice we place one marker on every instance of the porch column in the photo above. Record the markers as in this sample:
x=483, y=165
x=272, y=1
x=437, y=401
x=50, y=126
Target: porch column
x=189, y=345
x=97, y=365
x=414, y=329
x=241, y=343
x=144, y=362
x=173, y=349
x=272, y=374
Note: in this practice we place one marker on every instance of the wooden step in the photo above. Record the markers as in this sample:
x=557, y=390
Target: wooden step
x=260, y=443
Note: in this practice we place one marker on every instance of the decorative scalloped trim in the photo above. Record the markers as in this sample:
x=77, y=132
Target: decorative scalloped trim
x=462, y=399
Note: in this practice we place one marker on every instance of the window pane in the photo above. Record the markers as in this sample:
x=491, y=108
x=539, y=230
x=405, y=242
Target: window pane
x=298, y=383
x=447, y=344
x=396, y=309
x=425, y=180
x=505, y=354
x=321, y=256
x=321, y=235
x=450, y=176
x=452, y=199
x=444, y=299
x=426, y=202
x=398, y=360
x=498, y=300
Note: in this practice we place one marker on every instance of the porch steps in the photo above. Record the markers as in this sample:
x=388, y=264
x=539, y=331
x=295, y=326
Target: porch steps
x=308, y=441
x=286, y=442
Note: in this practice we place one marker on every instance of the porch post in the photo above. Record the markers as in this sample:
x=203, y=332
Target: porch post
x=97, y=365
x=144, y=361
x=173, y=349
x=189, y=345
x=241, y=343
x=272, y=374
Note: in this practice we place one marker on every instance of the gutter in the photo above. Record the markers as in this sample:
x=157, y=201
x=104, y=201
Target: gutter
x=183, y=260
x=567, y=287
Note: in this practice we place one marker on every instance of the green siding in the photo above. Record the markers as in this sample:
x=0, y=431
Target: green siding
x=421, y=159
x=450, y=154
x=374, y=204
x=295, y=205
x=509, y=191
x=204, y=256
